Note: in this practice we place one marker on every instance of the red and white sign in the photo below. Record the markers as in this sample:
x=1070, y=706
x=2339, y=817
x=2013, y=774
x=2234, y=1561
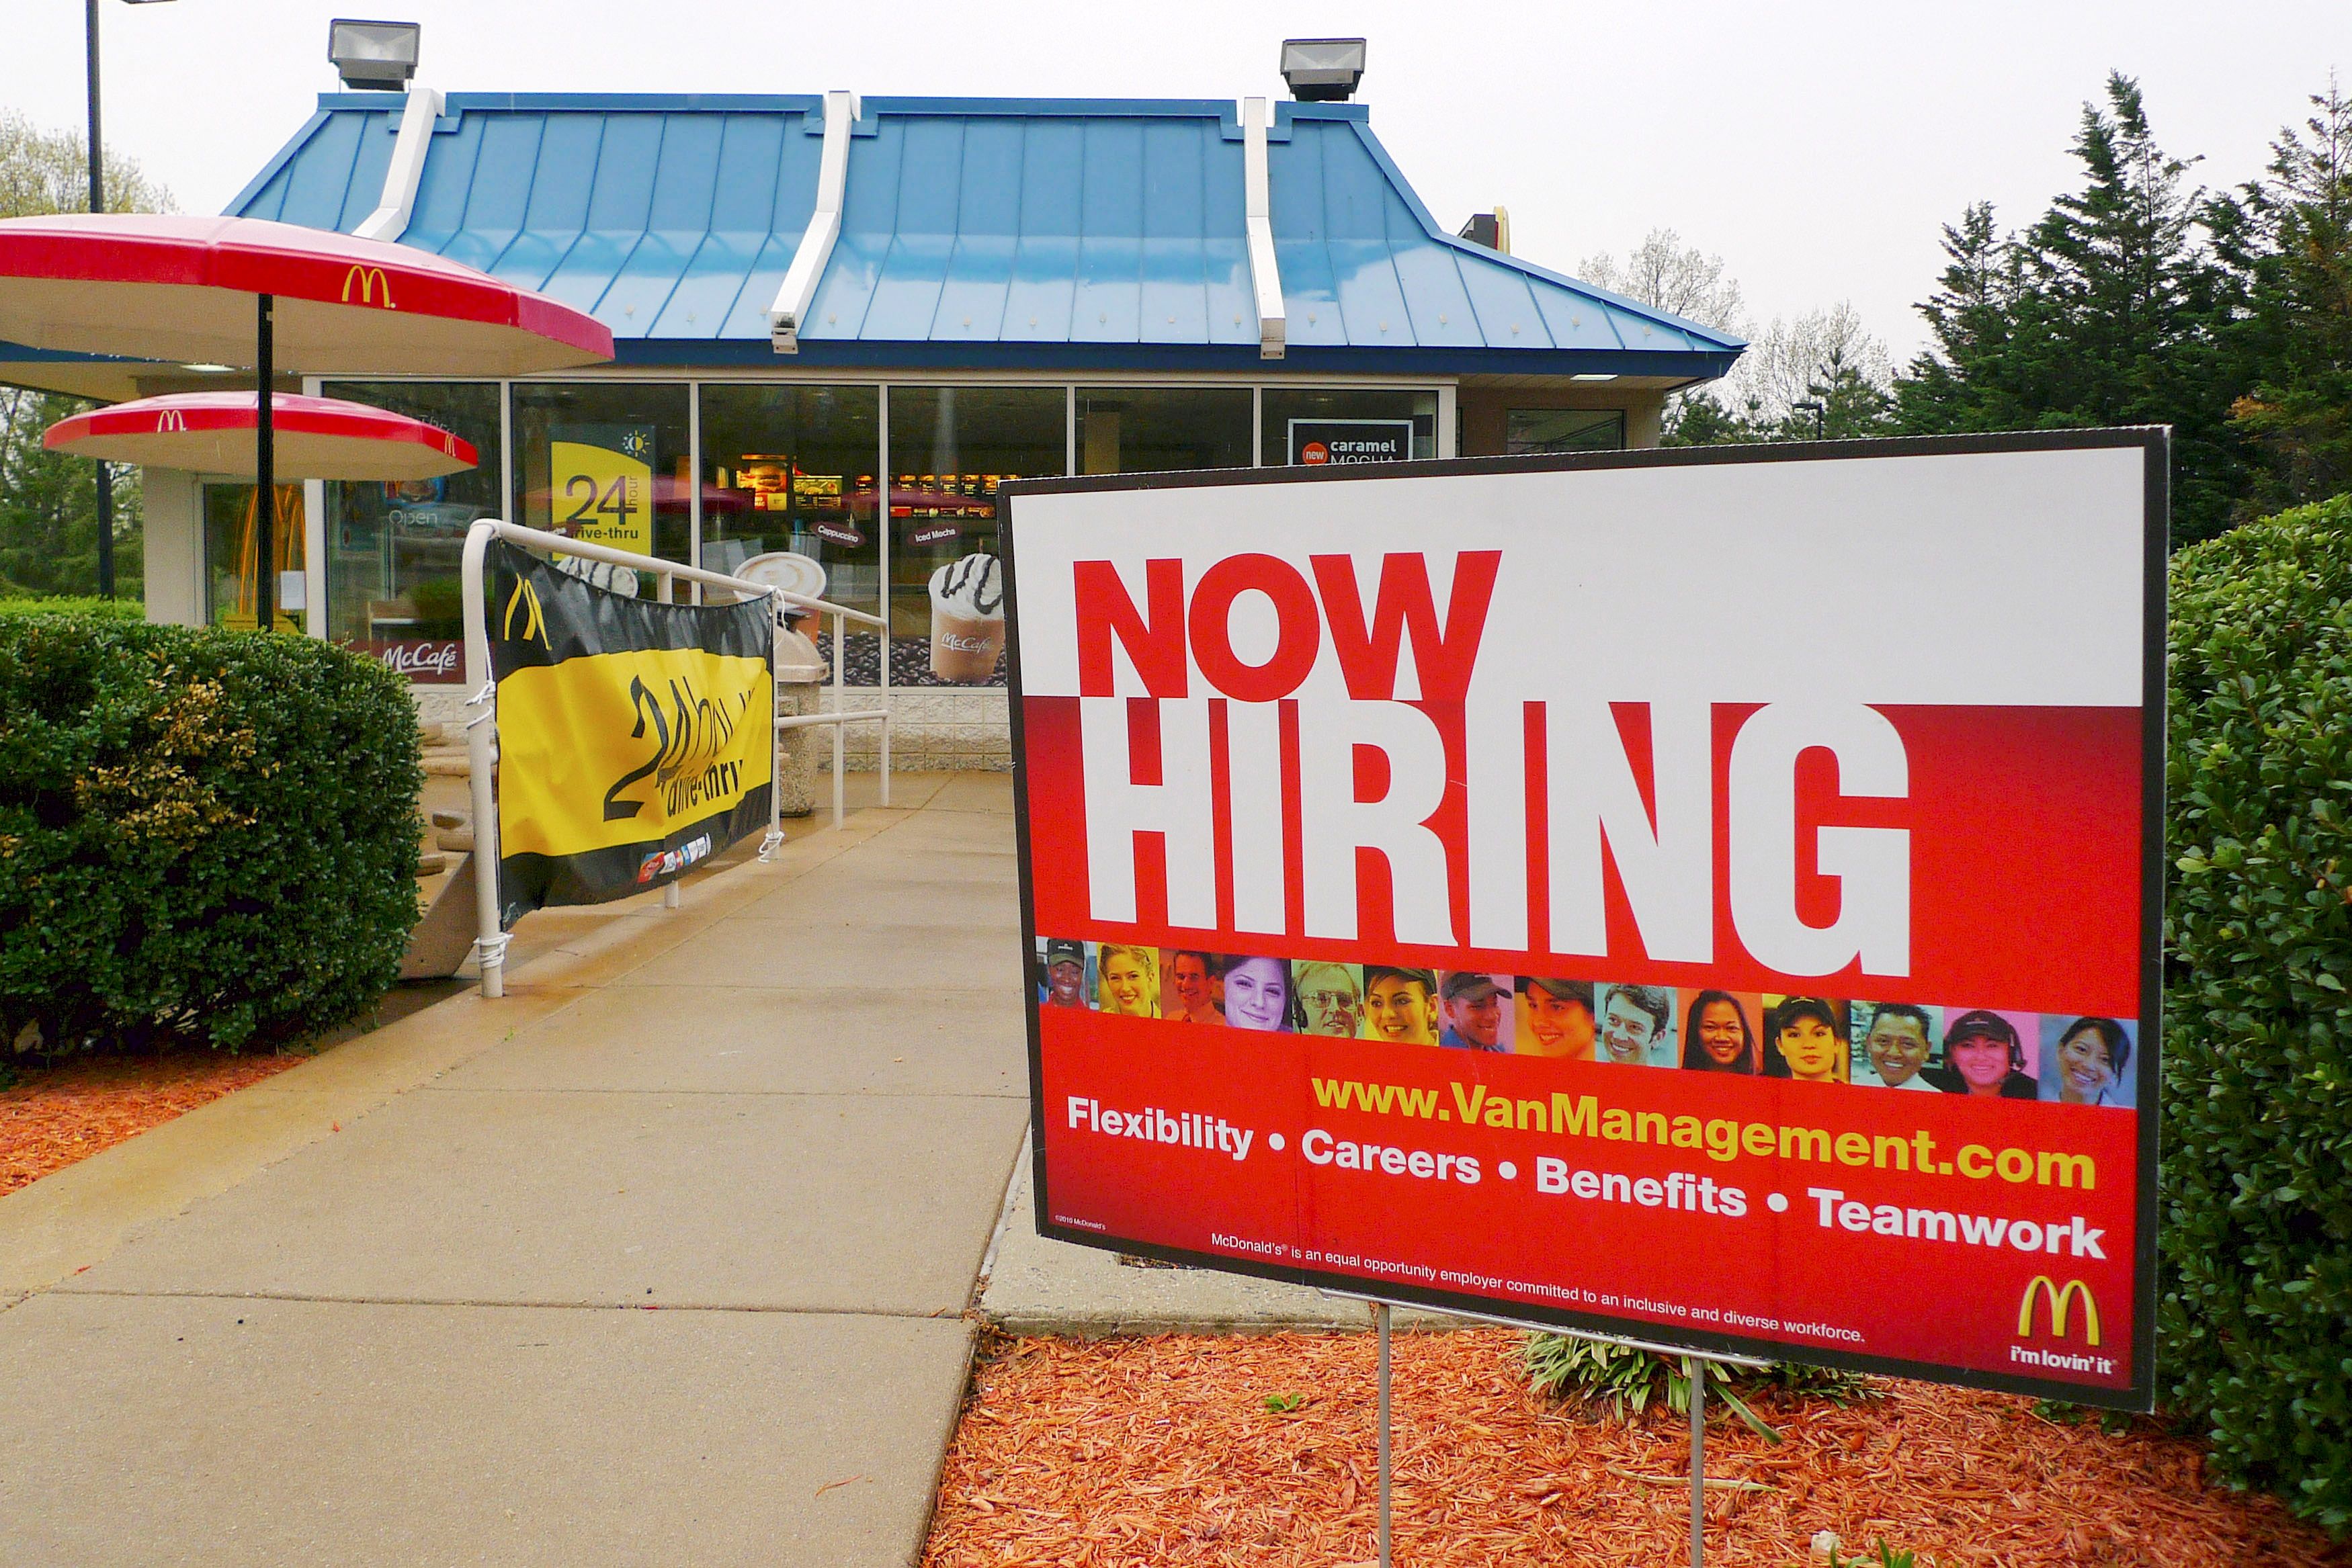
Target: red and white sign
x=1530, y=887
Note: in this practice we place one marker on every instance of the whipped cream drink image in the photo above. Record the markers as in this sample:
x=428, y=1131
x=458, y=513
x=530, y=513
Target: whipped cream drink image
x=967, y=619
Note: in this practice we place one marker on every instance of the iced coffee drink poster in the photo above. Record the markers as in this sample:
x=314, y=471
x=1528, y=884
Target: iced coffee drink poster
x=1708, y=897
x=967, y=620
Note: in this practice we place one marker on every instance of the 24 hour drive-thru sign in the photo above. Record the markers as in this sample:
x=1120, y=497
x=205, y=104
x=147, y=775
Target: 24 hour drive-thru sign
x=1707, y=897
x=636, y=739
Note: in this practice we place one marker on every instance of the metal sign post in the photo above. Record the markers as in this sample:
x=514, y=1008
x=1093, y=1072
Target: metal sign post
x=1381, y=1312
x=1694, y=1366
x=1696, y=1370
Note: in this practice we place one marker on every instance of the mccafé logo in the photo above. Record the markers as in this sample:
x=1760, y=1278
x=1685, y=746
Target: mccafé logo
x=2042, y=1289
x=369, y=281
x=421, y=658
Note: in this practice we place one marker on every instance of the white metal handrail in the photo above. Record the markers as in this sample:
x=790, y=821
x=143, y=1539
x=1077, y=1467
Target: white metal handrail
x=481, y=731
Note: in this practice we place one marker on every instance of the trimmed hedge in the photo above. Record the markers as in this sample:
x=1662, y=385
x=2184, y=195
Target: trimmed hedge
x=2256, y=1310
x=203, y=834
x=14, y=605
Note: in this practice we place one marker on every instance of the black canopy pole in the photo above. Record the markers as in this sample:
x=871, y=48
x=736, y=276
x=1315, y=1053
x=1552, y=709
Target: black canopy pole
x=97, y=204
x=265, y=465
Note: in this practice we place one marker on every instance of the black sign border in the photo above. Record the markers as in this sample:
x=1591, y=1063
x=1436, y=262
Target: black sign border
x=2154, y=441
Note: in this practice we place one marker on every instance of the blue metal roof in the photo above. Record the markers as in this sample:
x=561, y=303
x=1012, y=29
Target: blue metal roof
x=975, y=232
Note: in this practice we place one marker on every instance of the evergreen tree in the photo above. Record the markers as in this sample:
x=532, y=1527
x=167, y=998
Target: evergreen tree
x=2111, y=309
x=1950, y=389
x=1702, y=418
x=2287, y=241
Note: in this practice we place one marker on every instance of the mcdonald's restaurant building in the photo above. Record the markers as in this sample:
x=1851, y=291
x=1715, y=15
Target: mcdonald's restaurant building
x=841, y=324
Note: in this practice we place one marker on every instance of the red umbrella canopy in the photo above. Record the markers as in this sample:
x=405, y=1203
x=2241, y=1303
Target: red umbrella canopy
x=165, y=286
x=212, y=432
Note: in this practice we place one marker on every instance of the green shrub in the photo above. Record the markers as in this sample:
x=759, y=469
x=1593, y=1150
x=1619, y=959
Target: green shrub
x=2257, y=1237
x=203, y=834
x=15, y=605
x=1622, y=1381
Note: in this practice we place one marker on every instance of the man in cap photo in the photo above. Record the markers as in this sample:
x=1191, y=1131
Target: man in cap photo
x=1472, y=1005
x=1065, y=974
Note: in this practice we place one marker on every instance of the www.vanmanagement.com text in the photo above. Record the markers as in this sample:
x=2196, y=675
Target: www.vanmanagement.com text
x=1720, y=1138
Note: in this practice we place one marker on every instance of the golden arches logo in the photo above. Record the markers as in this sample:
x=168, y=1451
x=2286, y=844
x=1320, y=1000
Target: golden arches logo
x=171, y=419
x=534, y=624
x=367, y=280
x=2060, y=1300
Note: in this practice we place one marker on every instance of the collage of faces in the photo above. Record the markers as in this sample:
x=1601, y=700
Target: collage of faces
x=1996, y=1053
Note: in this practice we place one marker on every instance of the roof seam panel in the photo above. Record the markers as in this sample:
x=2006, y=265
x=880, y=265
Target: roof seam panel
x=1055, y=225
x=644, y=227
x=270, y=171
x=1480, y=254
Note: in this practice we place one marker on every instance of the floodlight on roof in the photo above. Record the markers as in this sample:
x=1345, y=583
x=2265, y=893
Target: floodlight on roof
x=379, y=56
x=1322, y=70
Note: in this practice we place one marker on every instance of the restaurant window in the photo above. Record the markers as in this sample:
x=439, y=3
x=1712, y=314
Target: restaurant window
x=1145, y=430
x=950, y=448
x=1530, y=431
x=393, y=548
x=606, y=461
x=789, y=493
x=233, y=557
x=1349, y=425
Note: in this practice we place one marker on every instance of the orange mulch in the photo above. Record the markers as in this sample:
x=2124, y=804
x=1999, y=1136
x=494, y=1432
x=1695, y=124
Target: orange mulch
x=55, y=1116
x=1163, y=1452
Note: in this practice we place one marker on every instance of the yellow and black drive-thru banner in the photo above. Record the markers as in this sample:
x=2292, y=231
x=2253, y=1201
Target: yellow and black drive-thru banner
x=634, y=738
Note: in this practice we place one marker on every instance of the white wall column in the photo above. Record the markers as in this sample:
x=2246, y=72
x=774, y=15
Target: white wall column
x=174, y=561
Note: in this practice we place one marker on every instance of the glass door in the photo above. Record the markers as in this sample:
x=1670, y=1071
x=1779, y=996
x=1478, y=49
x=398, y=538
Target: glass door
x=233, y=557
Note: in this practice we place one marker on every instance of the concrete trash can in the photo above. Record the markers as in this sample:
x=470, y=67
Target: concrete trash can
x=801, y=673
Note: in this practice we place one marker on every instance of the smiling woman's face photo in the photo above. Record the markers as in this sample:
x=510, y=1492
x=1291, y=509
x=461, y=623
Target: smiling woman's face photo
x=1125, y=985
x=1257, y=994
x=1722, y=1033
x=1402, y=1010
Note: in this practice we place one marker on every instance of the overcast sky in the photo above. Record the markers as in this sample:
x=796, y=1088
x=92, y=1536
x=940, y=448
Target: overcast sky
x=1817, y=147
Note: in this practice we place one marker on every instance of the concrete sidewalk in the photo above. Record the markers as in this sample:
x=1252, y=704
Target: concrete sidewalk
x=665, y=1259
